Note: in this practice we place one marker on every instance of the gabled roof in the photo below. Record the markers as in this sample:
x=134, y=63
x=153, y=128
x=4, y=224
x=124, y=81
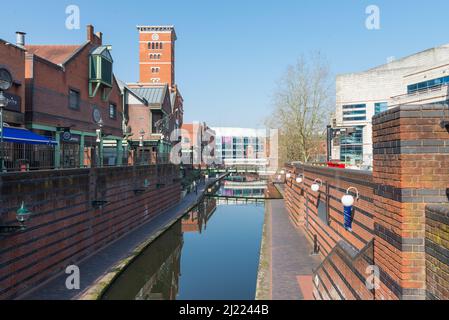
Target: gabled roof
x=57, y=54
x=124, y=87
x=103, y=51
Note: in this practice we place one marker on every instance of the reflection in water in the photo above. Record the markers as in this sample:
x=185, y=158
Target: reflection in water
x=154, y=275
x=211, y=253
x=249, y=188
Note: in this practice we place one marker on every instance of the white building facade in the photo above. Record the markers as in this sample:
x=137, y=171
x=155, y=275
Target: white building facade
x=242, y=147
x=417, y=79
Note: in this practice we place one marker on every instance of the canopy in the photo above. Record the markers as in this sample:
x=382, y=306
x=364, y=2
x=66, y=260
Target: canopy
x=20, y=135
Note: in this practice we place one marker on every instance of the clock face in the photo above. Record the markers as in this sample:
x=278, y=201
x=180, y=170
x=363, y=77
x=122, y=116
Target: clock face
x=96, y=115
x=155, y=37
x=5, y=79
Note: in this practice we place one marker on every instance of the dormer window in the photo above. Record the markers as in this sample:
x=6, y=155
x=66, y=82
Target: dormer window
x=101, y=74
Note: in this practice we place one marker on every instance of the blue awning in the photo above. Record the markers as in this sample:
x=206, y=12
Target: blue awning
x=20, y=135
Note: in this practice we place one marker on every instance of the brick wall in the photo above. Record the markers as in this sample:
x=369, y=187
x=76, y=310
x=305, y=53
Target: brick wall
x=411, y=171
x=65, y=227
x=437, y=252
x=343, y=272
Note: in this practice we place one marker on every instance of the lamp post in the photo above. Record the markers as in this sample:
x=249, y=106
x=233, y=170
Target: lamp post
x=142, y=135
x=3, y=104
x=100, y=141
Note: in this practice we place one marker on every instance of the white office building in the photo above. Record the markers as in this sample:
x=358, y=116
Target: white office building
x=242, y=147
x=417, y=79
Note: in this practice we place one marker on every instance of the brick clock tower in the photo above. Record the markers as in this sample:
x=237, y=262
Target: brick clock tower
x=157, y=54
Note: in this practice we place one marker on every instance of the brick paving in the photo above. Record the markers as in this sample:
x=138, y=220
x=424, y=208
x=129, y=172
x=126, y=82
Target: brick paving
x=101, y=262
x=290, y=254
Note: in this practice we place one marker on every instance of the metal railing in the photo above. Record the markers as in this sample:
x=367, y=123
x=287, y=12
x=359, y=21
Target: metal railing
x=25, y=157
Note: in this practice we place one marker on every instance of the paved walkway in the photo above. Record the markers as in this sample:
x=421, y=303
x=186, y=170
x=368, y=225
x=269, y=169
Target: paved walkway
x=99, y=263
x=291, y=261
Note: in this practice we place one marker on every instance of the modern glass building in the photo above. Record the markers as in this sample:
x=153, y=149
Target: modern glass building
x=241, y=146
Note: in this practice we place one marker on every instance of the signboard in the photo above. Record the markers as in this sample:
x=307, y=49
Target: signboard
x=14, y=102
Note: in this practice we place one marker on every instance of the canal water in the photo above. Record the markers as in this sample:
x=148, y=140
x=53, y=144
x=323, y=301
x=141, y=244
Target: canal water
x=212, y=253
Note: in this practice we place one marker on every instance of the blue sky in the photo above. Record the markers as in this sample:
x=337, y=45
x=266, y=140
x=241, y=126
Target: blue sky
x=231, y=53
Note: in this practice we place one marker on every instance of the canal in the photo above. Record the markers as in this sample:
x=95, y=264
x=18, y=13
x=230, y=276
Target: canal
x=212, y=253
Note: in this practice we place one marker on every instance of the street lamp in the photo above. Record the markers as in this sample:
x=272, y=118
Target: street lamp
x=317, y=184
x=22, y=216
x=100, y=141
x=3, y=104
x=348, y=202
x=142, y=135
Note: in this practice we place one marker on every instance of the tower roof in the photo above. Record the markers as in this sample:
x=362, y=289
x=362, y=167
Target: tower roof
x=158, y=29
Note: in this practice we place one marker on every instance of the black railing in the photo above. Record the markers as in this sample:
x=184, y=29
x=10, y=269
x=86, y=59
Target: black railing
x=25, y=157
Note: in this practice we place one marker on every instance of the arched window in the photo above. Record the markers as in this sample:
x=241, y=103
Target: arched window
x=152, y=45
x=160, y=45
x=151, y=56
x=157, y=45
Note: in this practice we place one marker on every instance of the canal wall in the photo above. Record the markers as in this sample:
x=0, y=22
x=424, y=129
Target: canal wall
x=75, y=213
x=437, y=252
x=410, y=174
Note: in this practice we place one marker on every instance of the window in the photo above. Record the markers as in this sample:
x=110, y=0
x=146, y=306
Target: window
x=351, y=146
x=160, y=45
x=380, y=107
x=355, y=119
x=74, y=99
x=426, y=85
x=155, y=69
x=112, y=111
x=157, y=45
x=354, y=112
x=354, y=106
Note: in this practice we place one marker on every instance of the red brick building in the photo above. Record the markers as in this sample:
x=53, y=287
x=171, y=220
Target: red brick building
x=71, y=94
x=12, y=59
x=198, y=144
x=157, y=64
x=148, y=114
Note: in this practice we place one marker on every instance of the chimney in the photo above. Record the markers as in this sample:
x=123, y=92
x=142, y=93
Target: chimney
x=100, y=37
x=90, y=33
x=20, y=39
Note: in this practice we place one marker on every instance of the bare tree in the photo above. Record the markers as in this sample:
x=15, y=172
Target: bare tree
x=302, y=104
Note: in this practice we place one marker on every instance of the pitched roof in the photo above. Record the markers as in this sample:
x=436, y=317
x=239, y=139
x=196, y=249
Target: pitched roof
x=57, y=54
x=153, y=94
x=124, y=87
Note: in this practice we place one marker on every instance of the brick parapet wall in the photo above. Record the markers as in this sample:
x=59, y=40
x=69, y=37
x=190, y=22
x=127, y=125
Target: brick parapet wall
x=342, y=275
x=65, y=227
x=411, y=169
x=437, y=252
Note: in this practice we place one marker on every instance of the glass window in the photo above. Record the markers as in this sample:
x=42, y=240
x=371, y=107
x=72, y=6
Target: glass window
x=74, y=99
x=380, y=107
x=354, y=112
x=354, y=106
x=112, y=111
x=355, y=119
